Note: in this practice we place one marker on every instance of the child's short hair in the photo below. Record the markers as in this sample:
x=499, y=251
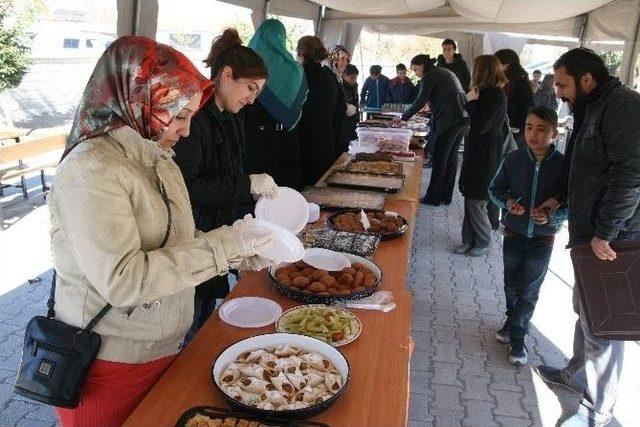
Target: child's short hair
x=375, y=69
x=401, y=67
x=350, y=70
x=545, y=113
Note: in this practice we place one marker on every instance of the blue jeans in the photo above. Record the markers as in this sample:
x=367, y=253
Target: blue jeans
x=525, y=265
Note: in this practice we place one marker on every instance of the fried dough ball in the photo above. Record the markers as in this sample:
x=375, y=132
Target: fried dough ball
x=346, y=279
x=307, y=272
x=318, y=274
x=301, y=282
x=317, y=287
x=328, y=280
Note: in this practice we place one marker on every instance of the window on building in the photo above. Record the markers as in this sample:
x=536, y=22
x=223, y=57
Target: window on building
x=71, y=43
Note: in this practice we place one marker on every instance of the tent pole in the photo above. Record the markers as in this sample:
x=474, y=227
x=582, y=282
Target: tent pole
x=321, y=10
x=584, y=21
x=629, y=75
x=266, y=10
x=136, y=17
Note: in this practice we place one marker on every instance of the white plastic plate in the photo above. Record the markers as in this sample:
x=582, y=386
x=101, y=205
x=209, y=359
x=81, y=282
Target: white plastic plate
x=250, y=312
x=285, y=247
x=288, y=209
x=326, y=259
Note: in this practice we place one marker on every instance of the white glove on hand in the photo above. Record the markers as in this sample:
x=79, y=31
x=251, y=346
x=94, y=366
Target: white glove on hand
x=263, y=185
x=351, y=110
x=255, y=263
x=250, y=239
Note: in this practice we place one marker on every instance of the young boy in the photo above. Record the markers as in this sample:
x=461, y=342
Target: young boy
x=526, y=178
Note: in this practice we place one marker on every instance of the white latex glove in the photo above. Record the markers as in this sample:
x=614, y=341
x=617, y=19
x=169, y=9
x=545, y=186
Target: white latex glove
x=252, y=240
x=351, y=110
x=263, y=185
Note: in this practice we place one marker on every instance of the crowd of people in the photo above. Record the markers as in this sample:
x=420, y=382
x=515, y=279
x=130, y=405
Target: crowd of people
x=148, y=204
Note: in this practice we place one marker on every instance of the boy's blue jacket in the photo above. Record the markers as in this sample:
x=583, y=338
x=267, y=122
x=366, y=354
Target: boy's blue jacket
x=521, y=177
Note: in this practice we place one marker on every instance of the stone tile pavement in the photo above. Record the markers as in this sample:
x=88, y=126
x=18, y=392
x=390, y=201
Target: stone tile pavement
x=459, y=374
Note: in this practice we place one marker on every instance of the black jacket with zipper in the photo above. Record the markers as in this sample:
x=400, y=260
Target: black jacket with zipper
x=483, y=145
x=459, y=68
x=602, y=165
x=521, y=177
x=211, y=161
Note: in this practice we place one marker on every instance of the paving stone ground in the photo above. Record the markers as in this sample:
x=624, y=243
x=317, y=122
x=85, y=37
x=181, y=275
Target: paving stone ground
x=459, y=374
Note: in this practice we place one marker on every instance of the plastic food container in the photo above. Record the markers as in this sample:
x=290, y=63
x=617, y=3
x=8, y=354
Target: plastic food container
x=384, y=139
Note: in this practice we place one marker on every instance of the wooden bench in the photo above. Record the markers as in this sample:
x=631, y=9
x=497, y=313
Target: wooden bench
x=26, y=149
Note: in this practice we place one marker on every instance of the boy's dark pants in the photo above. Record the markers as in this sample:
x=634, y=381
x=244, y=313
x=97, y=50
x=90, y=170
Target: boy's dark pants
x=525, y=264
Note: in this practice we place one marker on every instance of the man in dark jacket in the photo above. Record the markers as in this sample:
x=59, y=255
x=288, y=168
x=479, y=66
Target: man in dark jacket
x=350, y=84
x=453, y=61
x=375, y=88
x=401, y=90
x=441, y=89
x=601, y=185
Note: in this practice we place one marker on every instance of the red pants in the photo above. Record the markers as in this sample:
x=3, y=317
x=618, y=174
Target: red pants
x=112, y=391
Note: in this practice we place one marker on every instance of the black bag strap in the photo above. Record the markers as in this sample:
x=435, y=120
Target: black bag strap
x=51, y=313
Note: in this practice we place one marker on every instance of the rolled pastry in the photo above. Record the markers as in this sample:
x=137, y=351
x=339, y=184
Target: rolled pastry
x=253, y=385
x=282, y=384
x=254, y=370
x=295, y=377
x=285, y=350
x=332, y=381
x=275, y=397
x=251, y=356
x=231, y=374
x=313, y=379
x=317, y=362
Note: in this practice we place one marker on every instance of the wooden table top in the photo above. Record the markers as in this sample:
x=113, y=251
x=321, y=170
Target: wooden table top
x=377, y=394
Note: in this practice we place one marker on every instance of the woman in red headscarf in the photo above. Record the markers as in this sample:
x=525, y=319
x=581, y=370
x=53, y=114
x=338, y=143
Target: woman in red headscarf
x=122, y=229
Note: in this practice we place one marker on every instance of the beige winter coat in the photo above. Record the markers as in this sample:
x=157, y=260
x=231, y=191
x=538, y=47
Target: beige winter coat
x=108, y=220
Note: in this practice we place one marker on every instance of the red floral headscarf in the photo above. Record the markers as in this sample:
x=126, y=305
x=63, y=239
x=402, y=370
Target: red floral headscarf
x=138, y=83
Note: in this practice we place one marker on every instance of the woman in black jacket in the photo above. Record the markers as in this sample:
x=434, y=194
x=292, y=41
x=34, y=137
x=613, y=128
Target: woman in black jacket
x=211, y=157
x=316, y=128
x=519, y=93
x=487, y=106
x=271, y=124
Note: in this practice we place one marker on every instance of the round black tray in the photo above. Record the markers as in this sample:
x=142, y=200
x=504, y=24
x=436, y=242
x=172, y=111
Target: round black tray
x=384, y=236
x=295, y=414
x=310, y=298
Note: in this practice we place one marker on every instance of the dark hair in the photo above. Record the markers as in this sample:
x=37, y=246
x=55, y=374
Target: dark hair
x=580, y=61
x=401, y=67
x=514, y=71
x=311, y=49
x=351, y=69
x=544, y=113
x=487, y=72
x=547, y=82
x=375, y=69
x=227, y=50
x=423, y=59
x=450, y=42
x=537, y=72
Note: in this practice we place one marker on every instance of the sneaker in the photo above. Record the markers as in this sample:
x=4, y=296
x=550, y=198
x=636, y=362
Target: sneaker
x=476, y=252
x=553, y=376
x=502, y=336
x=518, y=354
x=462, y=249
x=578, y=420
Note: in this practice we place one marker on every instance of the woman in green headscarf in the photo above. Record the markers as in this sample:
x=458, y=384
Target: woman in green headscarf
x=272, y=144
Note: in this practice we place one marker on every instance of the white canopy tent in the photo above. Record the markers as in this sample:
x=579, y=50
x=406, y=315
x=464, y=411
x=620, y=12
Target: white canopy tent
x=475, y=24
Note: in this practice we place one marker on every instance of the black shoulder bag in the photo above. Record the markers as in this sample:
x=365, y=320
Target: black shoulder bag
x=509, y=142
x=56, y=357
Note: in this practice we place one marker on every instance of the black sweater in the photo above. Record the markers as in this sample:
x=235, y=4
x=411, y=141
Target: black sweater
x=520, y=99
x=441, y=88
x=483, y=145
